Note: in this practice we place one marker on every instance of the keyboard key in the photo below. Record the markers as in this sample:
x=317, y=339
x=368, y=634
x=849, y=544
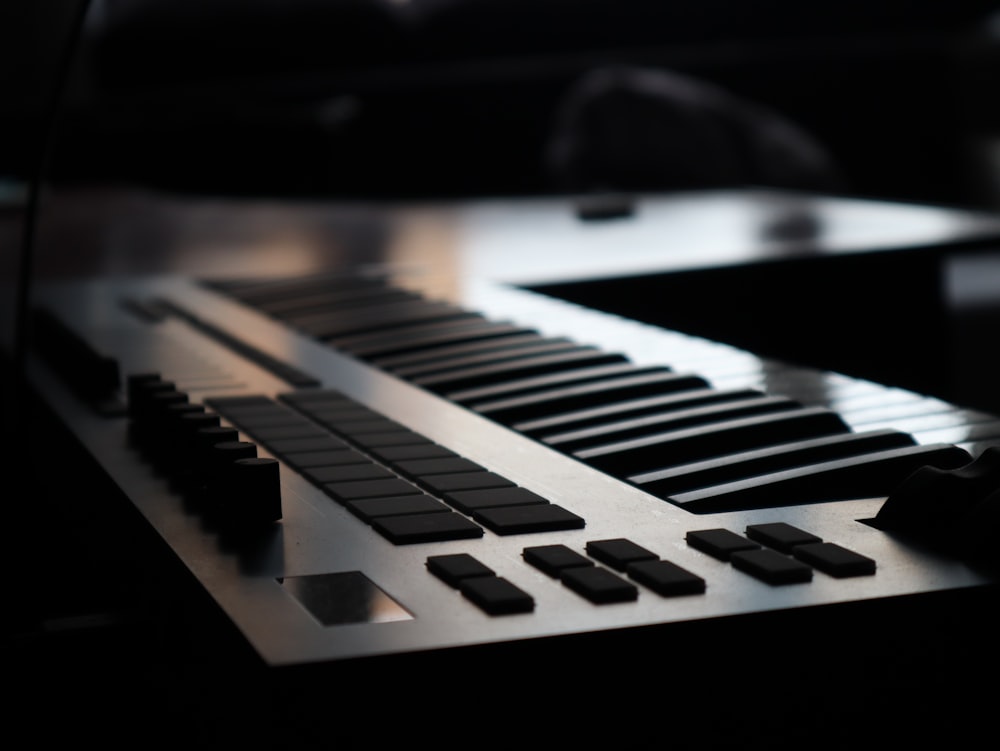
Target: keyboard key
x=444, y=484
x=425, y=467
x=781, y=536
x=511, y=340
x=515, y=520
x=738, y=466
x=401, y=437
x=867, y=476
x=630, y=407
x=634, y=427
x=599, y=585
x=496, y=595
x=366, y=426
x=453, y=568
x=552, y=559
x=392, y=454
x=834, y=560
x=536, y=407
x=368, y=509
x=301, y=445
x=618, y=552
x=347, y=473
x=299, y=429
x=469, y=501
x=425, y=337
x=475, y=377
x=719, y=543
x=637, y=455
x=442, y=365
x=666, y=578
x=394, y=317
x=349, y=491
x=309, y=459
x=771, y=566
x=416, y=528
x=472, y=397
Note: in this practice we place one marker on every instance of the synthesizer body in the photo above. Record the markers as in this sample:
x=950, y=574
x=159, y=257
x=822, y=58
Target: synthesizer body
x=316, y=559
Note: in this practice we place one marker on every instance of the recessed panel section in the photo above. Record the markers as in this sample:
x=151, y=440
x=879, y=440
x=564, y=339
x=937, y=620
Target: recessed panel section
x=345, y=597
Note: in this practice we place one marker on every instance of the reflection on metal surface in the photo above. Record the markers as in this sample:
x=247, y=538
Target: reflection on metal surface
x=347, y=597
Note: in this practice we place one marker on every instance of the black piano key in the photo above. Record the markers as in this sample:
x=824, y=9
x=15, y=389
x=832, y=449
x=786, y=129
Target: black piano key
x=423, y=337
x=578, y=418
x=289, y=306
x=521, y=386
x=262, y=292
x=391, y=316
x=489, y=357
x=865, y=476
x=618, y=430
x=527, y=408
x=670, y=480
x=472, y=377
x=376, y=305
x=447, y=348
x=638, y=455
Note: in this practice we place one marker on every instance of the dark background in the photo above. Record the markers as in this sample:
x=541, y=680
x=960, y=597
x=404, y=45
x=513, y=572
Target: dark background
x=462, y=97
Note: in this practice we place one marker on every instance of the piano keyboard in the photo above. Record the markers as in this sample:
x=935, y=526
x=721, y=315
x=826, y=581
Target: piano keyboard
x=351, y=467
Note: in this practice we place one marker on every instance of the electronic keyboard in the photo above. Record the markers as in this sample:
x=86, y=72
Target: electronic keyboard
x=375, y=461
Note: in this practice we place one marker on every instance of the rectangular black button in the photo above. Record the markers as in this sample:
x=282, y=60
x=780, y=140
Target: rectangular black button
x=835, y=560
x=719, y=543
x=514, y=520
x=599, y=585
x=496, y=595
x=469, y=501
x=453, y=568
x=552, y=559
x=618, y=552
x=771, y=566
x=666, y=578
x=416, y=528
x=368, y=509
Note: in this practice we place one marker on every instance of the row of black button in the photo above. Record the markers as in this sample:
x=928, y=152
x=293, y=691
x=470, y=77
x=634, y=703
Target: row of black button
x=776, y=553
x=780, y=553
x=405, y=486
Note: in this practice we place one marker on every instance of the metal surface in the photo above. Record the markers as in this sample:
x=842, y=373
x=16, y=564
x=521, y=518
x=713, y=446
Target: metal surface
x=255, y=583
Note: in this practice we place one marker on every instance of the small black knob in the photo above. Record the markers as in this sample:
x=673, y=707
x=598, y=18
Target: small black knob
x=251, y=496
